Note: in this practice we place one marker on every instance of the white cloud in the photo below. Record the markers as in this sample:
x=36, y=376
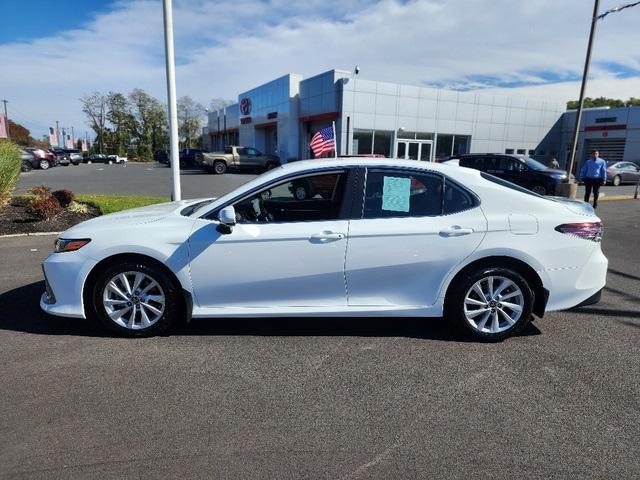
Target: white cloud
x=227, y=46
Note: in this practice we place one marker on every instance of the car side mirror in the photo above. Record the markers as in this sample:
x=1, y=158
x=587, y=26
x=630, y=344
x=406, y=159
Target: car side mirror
x=227, y=217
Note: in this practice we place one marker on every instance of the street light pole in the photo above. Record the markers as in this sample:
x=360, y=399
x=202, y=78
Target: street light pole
x=585, y=74
x=171, y=97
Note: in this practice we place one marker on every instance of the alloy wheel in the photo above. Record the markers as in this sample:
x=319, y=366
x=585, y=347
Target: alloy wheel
x=539, y=189
x=44, y=164
x=493, y=304
x=133, y=300
x=300, y=193
x=617, y=181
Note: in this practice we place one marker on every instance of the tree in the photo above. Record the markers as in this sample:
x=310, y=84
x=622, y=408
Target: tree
x=22, y=136
x=190, y=115
x=150, y=122
x=604, y=102
x=95, y=107
x=120, y=116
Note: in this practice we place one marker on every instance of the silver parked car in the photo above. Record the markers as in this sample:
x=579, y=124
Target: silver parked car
x=622, y=172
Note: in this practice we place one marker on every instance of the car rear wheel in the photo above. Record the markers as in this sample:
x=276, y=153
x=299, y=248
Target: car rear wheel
x=44, y=164
x=135, y=299
x=219, y=167
x=490, y=304
x=539, y=189
x=617, y=181
x=271, y=165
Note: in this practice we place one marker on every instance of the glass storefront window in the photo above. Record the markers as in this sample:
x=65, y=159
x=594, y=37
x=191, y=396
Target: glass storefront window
x=383, y=143
x=362, y=141
x=460, y=144
x=444, y=145
x=415, y=135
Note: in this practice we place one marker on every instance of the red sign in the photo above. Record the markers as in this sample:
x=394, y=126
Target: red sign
x=605, y=134
x=245, y=106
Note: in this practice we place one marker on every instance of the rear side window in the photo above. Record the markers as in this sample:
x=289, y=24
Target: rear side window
x=456, y=199
x=397, y=193
x=473, y=162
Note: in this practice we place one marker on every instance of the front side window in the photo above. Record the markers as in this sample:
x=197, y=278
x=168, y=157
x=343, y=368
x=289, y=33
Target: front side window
x=397, y=193
x=305, y=199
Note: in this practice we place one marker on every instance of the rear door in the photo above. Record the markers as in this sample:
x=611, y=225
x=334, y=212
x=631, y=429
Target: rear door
x=413, y=228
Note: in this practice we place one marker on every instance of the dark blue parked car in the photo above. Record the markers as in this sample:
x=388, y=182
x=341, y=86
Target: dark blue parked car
x=523, y=171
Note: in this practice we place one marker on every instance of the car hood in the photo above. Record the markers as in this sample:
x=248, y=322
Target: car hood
x=553, y=172
x=133, y=216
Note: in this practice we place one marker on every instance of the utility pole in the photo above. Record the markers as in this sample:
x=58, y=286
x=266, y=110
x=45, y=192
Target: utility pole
x=73, y=139
x=6, y=117
x=171, y=96
x=585, y=74
x=57, y=133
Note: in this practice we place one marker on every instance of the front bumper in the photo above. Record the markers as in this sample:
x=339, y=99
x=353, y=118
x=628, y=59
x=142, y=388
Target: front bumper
x=65, y=274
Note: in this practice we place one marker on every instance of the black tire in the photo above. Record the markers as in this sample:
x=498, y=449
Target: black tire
x=44, y=164
x=300, y=190
x=174, y=303
x=271, y=166
x=219, y=167
x=617, y=180
x=75, y=164
x=455, y=303
x=26, y=167
x=540, y=189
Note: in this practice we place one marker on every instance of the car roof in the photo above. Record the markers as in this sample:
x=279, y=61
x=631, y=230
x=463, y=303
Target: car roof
x=304, y=165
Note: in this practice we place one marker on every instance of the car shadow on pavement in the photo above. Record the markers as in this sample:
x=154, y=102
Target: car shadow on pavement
x=21, y=312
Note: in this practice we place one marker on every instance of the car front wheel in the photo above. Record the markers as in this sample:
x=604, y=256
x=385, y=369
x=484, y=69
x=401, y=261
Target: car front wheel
x=135, y=299
x=44, y=164
x=490, y=304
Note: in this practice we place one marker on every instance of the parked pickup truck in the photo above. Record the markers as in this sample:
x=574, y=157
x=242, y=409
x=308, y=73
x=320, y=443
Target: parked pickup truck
x=238, y=158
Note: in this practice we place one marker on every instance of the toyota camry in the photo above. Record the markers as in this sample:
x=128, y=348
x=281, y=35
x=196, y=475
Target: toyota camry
x=381, y=237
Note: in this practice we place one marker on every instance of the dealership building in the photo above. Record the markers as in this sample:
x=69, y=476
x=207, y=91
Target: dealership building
x=390, y=119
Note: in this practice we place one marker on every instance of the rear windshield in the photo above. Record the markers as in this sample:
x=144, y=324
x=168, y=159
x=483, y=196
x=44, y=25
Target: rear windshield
x=510, y=185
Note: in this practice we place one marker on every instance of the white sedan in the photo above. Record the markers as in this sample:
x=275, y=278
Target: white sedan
x=370, y=237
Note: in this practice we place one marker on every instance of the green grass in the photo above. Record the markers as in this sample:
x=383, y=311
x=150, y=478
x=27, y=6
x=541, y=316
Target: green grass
x=115, y=203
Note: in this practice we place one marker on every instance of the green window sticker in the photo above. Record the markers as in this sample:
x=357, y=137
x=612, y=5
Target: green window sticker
x=395, y=194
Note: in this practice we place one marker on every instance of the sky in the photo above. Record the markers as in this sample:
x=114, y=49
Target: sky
x=50, y=57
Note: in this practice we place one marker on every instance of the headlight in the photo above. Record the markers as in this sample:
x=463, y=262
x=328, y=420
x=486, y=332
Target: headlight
x=68, y=245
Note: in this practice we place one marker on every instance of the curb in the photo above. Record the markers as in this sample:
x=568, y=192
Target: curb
x=32, y=234
x=608, y=198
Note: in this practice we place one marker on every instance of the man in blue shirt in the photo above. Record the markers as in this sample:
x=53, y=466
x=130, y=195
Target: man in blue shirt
x=594, y=174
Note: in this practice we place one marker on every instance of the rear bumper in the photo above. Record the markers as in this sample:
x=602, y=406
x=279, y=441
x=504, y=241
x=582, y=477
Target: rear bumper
x=593, y=299
x=571, y=287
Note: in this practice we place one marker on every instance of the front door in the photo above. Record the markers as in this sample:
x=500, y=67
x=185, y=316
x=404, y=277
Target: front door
x=414, y=150
x=409, y=238
x=282, y=252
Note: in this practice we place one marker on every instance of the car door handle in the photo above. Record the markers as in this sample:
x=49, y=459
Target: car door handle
x=326, y=236
x=455, y=231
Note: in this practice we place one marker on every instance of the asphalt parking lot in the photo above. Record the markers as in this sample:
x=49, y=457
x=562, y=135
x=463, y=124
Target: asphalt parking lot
x=134, y=179
x=325, y=398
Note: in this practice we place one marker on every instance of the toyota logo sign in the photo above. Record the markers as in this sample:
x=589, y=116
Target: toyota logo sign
x=245, y=106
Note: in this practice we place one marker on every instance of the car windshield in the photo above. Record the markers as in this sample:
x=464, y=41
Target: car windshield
x=534, y=164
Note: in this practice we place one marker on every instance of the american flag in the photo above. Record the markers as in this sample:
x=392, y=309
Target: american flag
x=323, y=142
x=53, y=137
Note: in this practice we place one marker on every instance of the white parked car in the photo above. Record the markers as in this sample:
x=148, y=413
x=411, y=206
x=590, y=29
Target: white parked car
x=374, y=237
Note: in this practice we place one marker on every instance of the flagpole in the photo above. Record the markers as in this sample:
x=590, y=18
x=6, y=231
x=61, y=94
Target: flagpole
x=335, y=141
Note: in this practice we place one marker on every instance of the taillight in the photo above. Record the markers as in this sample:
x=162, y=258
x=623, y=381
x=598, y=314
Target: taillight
x=587, y=230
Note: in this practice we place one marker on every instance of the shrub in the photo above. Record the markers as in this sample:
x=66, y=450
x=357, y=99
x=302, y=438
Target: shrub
x=10, y=163
x=64, y=197
x=40, y=191
x=75, y=207
x=44, y=208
